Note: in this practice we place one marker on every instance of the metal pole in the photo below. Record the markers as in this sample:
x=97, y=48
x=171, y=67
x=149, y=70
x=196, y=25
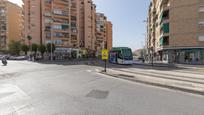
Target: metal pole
x=152, y=56
x=105, y=66
x=51, y=29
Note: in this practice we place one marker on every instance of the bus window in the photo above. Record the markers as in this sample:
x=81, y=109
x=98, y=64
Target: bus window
x=120, y=55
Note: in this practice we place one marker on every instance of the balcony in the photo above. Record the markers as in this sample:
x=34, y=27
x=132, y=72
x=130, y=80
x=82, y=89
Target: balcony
x=62, y=2
x=60, y=12
x=164, y=17
x=164, y=41
x=64, y=21
x=60, y=16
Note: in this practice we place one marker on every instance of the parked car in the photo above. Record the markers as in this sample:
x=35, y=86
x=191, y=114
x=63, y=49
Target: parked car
x=18, y=58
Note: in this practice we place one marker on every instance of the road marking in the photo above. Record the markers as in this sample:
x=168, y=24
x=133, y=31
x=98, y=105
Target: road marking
x=88, y=70
x=23, y=109
x=150, y=86
x=97, y=70
x=19, y=99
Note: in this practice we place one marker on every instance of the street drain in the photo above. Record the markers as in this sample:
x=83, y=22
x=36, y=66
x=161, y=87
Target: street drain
x=98, y=94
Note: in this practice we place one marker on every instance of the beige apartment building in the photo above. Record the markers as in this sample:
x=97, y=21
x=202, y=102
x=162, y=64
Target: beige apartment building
x=103, y=33
x=109, y=35
x=32, y=20
x=87, y=25
x=69, y=24
x=176, y=31
x=11, y=23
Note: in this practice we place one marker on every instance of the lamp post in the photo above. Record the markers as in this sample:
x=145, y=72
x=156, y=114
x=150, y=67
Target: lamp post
x=51, y=54
x=146, y=40
x=152, y=56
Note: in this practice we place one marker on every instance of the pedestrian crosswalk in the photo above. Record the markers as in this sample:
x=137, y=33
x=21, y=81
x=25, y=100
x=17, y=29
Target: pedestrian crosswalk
x=180, y=79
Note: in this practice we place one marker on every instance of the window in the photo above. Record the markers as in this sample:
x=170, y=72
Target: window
x=201, y=9
x=201, y=23
x=57, y=11
x=201, y=38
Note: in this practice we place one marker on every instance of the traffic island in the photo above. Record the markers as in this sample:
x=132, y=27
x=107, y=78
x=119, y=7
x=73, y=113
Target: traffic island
x=179, y=85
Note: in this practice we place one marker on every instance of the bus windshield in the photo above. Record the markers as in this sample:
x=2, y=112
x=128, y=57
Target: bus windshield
x=127, y=52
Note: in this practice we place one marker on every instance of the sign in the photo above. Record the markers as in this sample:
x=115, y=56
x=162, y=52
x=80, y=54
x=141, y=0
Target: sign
x=104, y=54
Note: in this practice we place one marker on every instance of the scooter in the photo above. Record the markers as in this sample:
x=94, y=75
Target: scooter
x=4, y=62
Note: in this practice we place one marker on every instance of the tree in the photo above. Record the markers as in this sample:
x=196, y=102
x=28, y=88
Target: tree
x=25, y=48
x=15, y=47
x=42, y=49
x=35, y=48
x=29, y=38
x=49, y=47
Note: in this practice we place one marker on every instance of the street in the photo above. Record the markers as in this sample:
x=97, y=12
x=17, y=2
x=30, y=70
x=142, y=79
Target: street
x=28, y=88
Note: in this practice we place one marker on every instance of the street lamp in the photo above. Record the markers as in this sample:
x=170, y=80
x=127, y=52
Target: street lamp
x=152, y=56
x=146, y=37
x=52, y=21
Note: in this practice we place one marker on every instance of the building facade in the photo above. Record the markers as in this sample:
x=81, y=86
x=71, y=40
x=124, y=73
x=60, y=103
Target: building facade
x=100, y=31
x=176, y=31
x=66, y=23
x=32, y=20
x=109, y=35
x=11, y=23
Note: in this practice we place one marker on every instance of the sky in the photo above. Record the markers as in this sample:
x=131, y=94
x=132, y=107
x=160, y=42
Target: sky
x=127, y=17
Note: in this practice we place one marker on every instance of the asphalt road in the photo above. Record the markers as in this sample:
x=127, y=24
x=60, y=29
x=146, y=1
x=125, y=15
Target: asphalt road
x=28, y=88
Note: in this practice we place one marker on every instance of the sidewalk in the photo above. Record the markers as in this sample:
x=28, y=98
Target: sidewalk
x=186, y=66
x=182, y=82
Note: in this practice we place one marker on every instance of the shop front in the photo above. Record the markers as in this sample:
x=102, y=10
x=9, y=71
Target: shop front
x=183, y=56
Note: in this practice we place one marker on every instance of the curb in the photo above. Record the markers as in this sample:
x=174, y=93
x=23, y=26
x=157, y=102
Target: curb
x=186, y=66
x=157, y=84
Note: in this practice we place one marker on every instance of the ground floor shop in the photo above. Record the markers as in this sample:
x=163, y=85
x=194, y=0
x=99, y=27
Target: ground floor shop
x=185, y=56
x=71, y=53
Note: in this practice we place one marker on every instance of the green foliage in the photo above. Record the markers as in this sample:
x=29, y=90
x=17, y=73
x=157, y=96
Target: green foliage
x=42, y=49
x=15, y=47
x=25, y=48
x=49, y=48
x=29, y=37
x=34, y=47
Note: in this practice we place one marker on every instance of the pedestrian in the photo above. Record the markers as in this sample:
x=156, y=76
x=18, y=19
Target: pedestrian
x=143, y=60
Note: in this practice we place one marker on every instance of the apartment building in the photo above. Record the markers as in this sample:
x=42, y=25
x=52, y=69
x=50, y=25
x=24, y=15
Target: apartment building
x=32, y=20
x=100, y=31
x=176, y=31
x=87, y=29
x=60, y=23
x=103, y=32
x=66, y=23
x=11, y=23
x=109, y=35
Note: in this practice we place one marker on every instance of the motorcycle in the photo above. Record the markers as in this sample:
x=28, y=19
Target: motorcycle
x=4, y=62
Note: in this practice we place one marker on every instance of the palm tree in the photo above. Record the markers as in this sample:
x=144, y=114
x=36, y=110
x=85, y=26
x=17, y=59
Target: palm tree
x=35, y=48
x=25, y=48
x=42, y=49
x=29, y=38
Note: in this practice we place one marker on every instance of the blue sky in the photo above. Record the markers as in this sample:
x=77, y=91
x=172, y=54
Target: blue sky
x=127, y=17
